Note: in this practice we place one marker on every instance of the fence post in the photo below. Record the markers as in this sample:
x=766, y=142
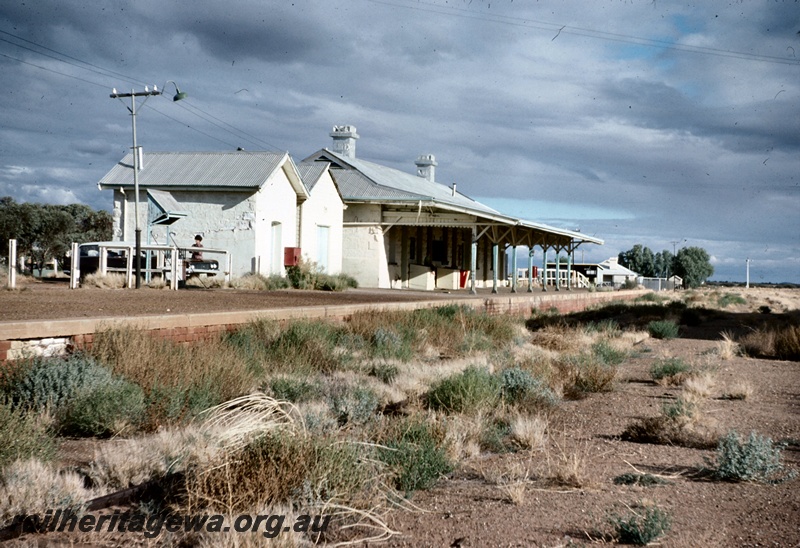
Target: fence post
x=12, y=263
x=75, y=265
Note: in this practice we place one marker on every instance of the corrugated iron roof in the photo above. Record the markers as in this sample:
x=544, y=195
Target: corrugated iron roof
x=241, y=169
x=310, y=172
x=360, y=180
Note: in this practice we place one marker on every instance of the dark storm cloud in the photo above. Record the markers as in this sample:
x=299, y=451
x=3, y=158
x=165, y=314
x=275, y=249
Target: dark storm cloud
x=514, y=100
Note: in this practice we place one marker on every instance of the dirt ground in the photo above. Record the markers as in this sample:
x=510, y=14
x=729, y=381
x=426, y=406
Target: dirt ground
x=470, y=507
x=54, y=300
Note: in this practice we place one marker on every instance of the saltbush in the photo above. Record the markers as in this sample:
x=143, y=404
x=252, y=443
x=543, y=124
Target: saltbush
x=104, y=410
x=414, y=451
x=519, y=386
x=663, y=329
x=353, y=404
x=642, y=527
x=757, y=459
x=54, y=381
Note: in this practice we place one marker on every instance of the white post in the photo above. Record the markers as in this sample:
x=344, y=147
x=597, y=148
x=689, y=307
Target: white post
x=174, y=270
x=102, y=260
x=228, y=266
x=747, y=286
x=75, y=265
x=12, y=263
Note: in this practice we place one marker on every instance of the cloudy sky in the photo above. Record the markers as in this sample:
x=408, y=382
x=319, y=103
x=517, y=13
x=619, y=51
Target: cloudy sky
x=653, y=122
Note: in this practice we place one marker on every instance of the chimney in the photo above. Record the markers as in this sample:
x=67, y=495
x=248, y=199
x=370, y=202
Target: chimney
x=426, y=167
x=344, y=140
x=454, y=189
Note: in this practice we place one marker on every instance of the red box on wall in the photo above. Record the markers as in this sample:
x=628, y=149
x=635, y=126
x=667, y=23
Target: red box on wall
x=291, y=256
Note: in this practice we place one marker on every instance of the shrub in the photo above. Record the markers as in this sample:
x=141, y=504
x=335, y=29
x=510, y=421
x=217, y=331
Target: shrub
x=757, y=459
x=727, y=299
x=413, y=450
x=293, y=390
x=630, y=284
x=23, y=435
x=663, y=329
x=520, y=387
x=609, y=355
x=260, y=282
x=472, y=390
x=386, y=343
x=642, y=527
x=54, y=381
x=666, y=368
x=104, y=410
x=384, y=372
x=496, y=436
x=281, y=467
x=586, y=373
x=353, y=405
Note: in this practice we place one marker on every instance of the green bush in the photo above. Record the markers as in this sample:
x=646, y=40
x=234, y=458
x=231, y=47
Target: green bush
x=520, y=387
x=642, y=527
x=414, y=452
x=54, y=381
x=384, y=372
x=104, y=410
x=306, y=346
x=757, y=459
x=471, y=390
x=586, y=373
x=727, y=299
x=23, y=435
x=293, y=390
x=607, y=354
x=663, y=329
x=668, y=367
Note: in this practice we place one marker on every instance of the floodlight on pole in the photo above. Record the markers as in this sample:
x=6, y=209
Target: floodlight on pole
x=147, y=93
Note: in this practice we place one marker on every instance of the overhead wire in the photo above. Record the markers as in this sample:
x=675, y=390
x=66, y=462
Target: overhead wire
x=192, y=109
x=422, y=5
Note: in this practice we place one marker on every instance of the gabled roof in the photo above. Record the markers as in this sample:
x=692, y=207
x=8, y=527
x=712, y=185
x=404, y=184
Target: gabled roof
x=204, y=170
x=363, y=181
x=311, y=172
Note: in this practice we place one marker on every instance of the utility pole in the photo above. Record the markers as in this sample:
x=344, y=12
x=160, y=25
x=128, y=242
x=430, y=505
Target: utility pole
x=147, y=93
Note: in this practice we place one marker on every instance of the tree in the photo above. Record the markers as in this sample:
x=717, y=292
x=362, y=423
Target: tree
x=639, y=259
x=693, y=265
x=46, y=231
x=663, y=264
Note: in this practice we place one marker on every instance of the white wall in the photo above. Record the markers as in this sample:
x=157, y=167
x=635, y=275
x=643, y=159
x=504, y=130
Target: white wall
x=237, y=221
x=276, y=202
x=226, y=220
x=323, y=208
x=363, y=251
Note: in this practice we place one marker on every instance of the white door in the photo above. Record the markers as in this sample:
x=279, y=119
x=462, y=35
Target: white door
x=277, y=249
x=323, y=237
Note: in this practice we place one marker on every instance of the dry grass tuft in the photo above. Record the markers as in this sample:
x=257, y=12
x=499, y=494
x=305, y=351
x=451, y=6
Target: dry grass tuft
x=111, y=280
x=32, y=487
x=740, y=390
x=242, y=420
x=727, y=347
x=700, y=385
x=529, y=432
